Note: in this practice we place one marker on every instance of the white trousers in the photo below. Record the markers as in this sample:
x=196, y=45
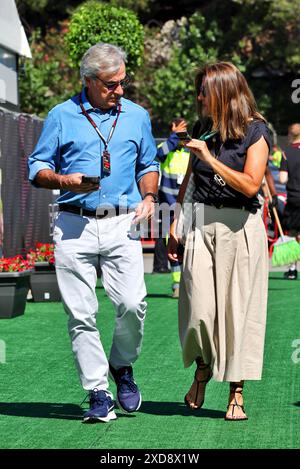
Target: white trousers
x=81, y=245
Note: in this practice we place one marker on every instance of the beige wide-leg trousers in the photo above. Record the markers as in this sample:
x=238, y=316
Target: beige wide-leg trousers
x=223, y=292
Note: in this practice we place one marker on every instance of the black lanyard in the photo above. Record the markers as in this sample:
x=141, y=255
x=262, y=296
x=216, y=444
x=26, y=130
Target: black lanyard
x=106, y=154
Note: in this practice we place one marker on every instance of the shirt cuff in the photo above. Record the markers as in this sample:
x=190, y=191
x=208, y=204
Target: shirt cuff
x=35, y=168
x=149, y=169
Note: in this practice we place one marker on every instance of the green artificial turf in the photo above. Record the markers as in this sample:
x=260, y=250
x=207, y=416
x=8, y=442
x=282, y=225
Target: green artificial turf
x=40, y=392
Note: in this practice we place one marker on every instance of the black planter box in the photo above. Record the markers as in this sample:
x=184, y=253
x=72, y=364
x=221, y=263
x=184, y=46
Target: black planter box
x=43, y=283
x=14, y=288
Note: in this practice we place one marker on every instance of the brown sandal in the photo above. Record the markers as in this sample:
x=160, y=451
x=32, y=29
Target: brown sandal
x=235, y=388
x=200, y=366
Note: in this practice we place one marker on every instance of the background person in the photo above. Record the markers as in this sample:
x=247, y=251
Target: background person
x=99, y=133
x=277, y=202
x=272, y=176
x=173, y=158
x=223, y=289
x=290, y=175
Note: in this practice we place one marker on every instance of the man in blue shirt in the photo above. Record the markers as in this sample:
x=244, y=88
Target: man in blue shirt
x=101, y=135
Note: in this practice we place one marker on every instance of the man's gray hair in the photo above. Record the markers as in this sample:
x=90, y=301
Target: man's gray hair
x=101, y=57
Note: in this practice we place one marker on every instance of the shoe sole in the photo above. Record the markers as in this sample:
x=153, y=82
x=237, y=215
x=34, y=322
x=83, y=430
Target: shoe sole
x=124, y=411
x=110, y=416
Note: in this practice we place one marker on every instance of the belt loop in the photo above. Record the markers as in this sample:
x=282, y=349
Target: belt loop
x=81, y=211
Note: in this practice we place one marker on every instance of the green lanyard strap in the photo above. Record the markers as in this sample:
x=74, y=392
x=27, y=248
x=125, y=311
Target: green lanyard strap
x=207, y=135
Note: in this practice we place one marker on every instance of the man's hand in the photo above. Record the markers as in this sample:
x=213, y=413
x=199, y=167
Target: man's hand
x=73, y=183
x=69, y=182
x=145, y=210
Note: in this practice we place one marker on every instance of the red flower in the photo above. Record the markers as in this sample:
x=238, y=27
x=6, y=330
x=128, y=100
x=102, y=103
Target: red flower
x=14, y=264
x=43, y=252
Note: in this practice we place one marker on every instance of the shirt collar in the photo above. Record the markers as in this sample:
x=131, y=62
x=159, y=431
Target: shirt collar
x=86, y=104
x=88, y=107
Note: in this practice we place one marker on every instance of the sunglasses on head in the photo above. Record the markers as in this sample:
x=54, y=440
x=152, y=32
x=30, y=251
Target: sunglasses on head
x=112, y=85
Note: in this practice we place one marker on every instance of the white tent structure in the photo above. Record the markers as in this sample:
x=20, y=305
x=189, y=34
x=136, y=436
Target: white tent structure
x=13, y=43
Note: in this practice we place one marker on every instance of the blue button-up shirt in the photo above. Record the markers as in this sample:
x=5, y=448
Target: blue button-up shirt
x=69, y=144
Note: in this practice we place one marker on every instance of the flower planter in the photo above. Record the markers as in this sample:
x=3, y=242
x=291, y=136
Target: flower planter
x=43, y=283
x=14, y=288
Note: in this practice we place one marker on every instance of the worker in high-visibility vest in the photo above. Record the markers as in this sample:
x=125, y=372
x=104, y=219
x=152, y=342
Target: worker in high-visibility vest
x=174, y=160
x=276, y=156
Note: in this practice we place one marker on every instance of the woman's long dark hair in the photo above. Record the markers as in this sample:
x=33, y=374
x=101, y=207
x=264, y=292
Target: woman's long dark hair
x=231, y=104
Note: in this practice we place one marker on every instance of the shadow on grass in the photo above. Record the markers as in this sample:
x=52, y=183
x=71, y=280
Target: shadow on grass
x=42, y=410
x=281, y=278
x=174, y=408
x=48, y=410
x=297, y=404
x=159, y=295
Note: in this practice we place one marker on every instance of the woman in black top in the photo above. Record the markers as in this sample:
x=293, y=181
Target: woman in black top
x=223, y=290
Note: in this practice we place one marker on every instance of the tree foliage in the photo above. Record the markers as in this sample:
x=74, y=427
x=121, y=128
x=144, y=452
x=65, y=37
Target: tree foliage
x=260, y=36
x=139, y=6
x=50, y=77
x=98, y=22
x=47, y=79
x=46, y=13
x=266, y=33
x=174, y=54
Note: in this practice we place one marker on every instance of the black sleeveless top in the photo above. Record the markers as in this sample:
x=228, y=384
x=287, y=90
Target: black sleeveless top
x=233, y=154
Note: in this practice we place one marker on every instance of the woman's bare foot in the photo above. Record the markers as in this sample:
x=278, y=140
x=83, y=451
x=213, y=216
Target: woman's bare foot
x=235, y=408
x=195, y=397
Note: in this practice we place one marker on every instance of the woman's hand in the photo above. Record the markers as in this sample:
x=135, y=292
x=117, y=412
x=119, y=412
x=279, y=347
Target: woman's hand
x=199, y=148
x=172, y=248
x=173, y=245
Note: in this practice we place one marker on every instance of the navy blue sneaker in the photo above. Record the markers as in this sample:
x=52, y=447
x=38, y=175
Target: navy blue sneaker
x=129, y=398
x=101, y=408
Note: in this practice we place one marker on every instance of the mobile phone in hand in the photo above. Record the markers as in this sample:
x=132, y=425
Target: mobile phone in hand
x=184, y=136
x=91, y=179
